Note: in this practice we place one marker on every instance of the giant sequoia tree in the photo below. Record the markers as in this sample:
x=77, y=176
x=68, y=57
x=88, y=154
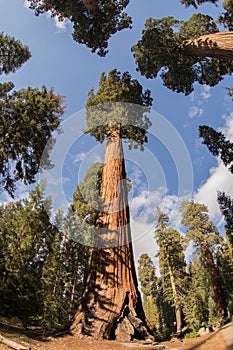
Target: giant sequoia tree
x=185, y=52
x=111, y=306
x=94, y=21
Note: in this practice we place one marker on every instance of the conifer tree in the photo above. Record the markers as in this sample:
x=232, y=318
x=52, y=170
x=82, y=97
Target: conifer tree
x=172, y=263
x=94, y=21
x=148, y=280
x=64, y=273
x=28, y=118
x=185, y=52
x=219, y=146
x=198, y=292
x=205, y=237
x=111, y=306
x=26, y=234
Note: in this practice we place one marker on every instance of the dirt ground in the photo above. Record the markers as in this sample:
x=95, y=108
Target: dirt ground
x=218, y=340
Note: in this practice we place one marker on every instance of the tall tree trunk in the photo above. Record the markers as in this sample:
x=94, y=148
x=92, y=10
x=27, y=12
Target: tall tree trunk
x=111, y=306
x=218, y=45
x=178, y=310
x=215, y=281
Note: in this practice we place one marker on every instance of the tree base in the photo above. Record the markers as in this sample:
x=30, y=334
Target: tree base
x=122, y=323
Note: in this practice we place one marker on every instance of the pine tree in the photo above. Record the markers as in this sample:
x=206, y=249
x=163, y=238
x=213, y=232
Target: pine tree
x=111, y=306
x=205, y=238
x=172, y=263
x=12, y=54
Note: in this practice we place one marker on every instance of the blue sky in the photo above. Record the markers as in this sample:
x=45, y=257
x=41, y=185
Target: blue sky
x=71, y=69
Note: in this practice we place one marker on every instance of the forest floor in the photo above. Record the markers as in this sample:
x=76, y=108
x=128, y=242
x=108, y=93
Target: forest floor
x=222, y=339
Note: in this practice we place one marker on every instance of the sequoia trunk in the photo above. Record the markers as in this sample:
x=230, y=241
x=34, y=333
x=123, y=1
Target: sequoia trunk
x=111, y=306
x=215, y=281
x=218, y=45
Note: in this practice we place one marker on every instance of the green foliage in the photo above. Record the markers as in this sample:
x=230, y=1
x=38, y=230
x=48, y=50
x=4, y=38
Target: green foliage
x=226, y=207
x=217, y=145
x=171, y=257
x=196, y=3
x=28, y=118
x=87, y=203
x=148, y=281
x=198, y=290
x=193, y=334
x=226, y=18
x=161, y=50
x=26, y=235
x=158, y=311
x=64, y=274
x=12, y=54
x=146, y=274
x=200, y=228
x=90, y=28
x=42, y=269
x=225, y=266
x=206, y=238
x=121, y=100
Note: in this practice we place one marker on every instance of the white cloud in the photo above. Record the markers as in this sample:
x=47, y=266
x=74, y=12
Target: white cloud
x=199, y=98
x=227, y=129
x=79, y=157
x=206, y=92
x=61, y=25
x=195, y=111
x=143, y=210
x=220, y=178
x=27, y=4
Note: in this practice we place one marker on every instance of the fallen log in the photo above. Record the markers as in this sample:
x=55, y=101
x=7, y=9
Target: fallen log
x=12, y=344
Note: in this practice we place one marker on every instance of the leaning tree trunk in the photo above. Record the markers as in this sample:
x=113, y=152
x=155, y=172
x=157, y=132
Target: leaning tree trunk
x=111, y=306
x=217, y=45
x=215, y=281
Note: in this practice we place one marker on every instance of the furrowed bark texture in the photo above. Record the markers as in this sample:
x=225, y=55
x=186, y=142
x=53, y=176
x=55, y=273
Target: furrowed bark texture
x=218, y=45
x=111, y=306
x=214, y=277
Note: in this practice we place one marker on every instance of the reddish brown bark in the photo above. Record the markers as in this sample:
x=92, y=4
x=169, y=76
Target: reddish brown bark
x=215, y=281
x=111, y=306
x=217, y=45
